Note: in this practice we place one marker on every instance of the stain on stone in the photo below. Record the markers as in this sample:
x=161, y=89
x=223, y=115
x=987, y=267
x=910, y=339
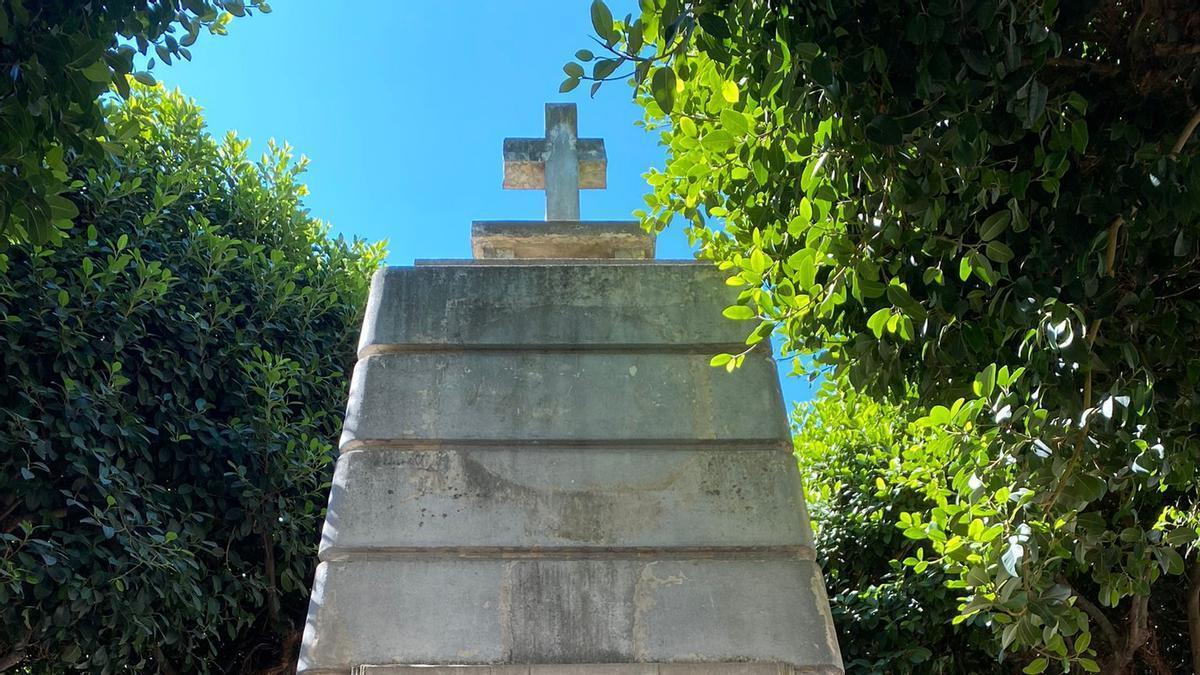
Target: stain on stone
x=569, y=612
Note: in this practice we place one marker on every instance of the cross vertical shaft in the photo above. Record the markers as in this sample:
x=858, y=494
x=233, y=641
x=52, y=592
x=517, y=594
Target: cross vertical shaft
x=562, y=162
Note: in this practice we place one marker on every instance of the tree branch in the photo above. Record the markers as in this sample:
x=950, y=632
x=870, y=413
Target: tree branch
x=17, y=655
x=1193, y=611
x=1185, y=134
x=1097, y=616
x=1150, y=652
x=11, y=659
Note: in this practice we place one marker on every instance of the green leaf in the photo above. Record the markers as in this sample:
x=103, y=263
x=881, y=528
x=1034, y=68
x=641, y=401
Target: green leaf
x=982, y=268
x=735, y=122
x=821, y=71
x=145, y=78
x=662, y=86
x=602, y=68
x=714, y=25
x=738, y=313
x=1082, y=642
x=998, y=252
x=720, y=360
x=717, y=141
x=878, y=321
x=568, y=84
x=900, y=297
x=1012, y=558
x=985, y=382
x=573, y=69
x=61, y=207
x=1079, y=135
x=584, y=55
x=97, y=72
x=1038, y=665
x=729, y=92
x=602, y=20
x=885, y=130
x=1037, y=100
x=995, y=224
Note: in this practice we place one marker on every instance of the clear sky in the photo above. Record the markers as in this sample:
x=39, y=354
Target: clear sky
x=402, y=107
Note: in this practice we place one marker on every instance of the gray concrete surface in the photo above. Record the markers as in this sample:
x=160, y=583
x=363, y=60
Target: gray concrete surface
x=604, y=669
x=567, y=396
x=576, y=612
x=541, y=474
x=469, y=499
x=578, y=306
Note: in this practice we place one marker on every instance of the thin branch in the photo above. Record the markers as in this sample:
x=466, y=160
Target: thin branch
x=1097, y=617
x=1185, y=135
x=1110, y=253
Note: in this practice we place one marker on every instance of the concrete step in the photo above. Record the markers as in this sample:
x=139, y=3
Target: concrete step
x=562, y=396
x=603, y=669
x=576, y=306
x=470, y=500
x=489, y=612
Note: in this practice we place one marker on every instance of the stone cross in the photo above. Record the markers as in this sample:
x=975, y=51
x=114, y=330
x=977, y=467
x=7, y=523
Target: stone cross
x=561, y=163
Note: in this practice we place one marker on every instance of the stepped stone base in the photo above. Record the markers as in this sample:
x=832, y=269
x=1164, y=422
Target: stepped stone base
x=604, y=669
x=540, y=473
x=569, y=611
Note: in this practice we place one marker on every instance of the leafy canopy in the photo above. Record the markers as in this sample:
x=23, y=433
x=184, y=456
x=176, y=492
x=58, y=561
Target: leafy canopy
x=60, y=57
x=989, y=203
x=173, y=375
x=863, y=463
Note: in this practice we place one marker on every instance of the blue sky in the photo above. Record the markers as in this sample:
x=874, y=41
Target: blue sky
x=402, y=107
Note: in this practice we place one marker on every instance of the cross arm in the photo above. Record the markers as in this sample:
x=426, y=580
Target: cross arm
x=525, y=163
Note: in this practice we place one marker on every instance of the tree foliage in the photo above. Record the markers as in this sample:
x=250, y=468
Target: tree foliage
x=59, y=58
x=863, y=464
x=172, y=374
x=992, y=204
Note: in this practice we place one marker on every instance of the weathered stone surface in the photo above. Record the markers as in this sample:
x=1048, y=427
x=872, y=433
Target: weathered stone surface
x=566, y=396
x=474, y=498
x=554, y=239
x=580, y=612
x=525, y=164
x=581, y=306
x=604, y=669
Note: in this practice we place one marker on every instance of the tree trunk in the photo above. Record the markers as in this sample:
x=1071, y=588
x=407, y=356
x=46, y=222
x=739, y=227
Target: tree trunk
x=1135, y=636
x=11, y=659
x=273, y=588
x=17, y=655
x=1150, y=653
x=1193, y=612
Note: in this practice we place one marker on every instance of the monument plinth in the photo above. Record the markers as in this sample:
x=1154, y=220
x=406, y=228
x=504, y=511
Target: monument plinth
x=561, y=163
x=540, y=473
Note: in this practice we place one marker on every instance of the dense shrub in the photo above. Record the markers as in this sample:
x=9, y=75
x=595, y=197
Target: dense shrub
x=991, y=204
x=173, y=375
x=863, y=464
x=60, y=58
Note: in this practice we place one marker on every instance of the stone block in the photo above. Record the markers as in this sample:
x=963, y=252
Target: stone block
x=557, y=239
x=604, y=669
x=571, y=612
x=608, y=306
x=562, y=396
x=385, y=499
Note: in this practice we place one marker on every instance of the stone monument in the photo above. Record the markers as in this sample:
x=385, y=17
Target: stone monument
x=540, y=473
